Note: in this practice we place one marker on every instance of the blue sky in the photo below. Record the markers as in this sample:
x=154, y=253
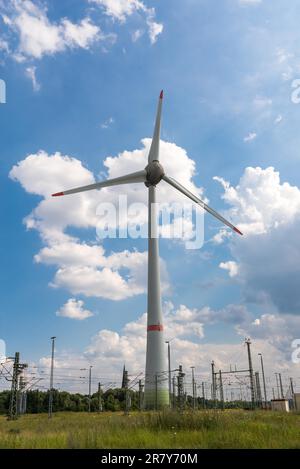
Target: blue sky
x=89, y=91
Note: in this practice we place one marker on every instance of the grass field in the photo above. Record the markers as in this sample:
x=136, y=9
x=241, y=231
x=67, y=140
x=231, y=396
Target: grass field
x=203, y=429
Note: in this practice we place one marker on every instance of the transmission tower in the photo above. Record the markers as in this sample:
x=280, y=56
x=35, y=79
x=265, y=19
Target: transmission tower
x=174, y=392
x=14, y=394
x=180, y=388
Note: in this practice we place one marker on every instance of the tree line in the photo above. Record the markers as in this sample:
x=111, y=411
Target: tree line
x=37, y=401
x=113, y=400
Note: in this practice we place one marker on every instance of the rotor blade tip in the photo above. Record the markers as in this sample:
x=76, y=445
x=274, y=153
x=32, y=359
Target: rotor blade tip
x=238, y=231
x=161, y=94
x=57, y=194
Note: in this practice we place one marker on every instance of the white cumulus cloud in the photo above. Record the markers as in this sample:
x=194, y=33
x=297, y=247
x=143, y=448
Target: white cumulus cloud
x=38, y=36
x=268, y=256
x=231, y=266
x=154, y=28
x=108, y=349
x=121, y=9
x=85, y=268
x=74, y=309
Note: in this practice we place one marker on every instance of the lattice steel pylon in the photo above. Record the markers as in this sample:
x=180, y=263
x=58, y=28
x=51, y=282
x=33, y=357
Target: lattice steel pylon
x=13, y=404
x=180, y=387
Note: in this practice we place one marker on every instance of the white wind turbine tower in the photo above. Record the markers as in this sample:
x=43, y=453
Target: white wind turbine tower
x=156, y=389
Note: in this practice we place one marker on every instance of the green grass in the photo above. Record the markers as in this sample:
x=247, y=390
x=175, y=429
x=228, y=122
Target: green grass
x=202, y=429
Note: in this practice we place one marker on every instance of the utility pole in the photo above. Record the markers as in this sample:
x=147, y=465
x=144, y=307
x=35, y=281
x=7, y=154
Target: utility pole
x=90, y=387
x=292, y=392
x=193, y=385
x=263, y=377
x=248, y=343
x=213, y=381
x=277, y=385
x=169, y=373
x=221, y=389
x=292, y=387
x=50, y=405
x=100, y=406
x=281, y=387
x=126, y=382
x=203, y=395
x=258, y=388
x=140, y=395
x=123, y=377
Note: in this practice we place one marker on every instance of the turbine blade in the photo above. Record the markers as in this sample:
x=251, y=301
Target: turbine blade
x=139, y=176
x=200, y=202
x=154, y=149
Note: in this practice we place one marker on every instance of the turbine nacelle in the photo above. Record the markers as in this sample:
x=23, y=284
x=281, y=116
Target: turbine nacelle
x=154, y=173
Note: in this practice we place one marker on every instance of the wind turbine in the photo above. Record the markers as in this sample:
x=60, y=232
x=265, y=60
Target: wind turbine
x=156, y=388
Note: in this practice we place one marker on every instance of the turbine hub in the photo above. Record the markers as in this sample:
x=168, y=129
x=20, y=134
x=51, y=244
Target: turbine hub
x=155, y=173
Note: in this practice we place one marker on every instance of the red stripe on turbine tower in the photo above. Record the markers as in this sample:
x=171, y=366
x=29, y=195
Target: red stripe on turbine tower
x=155, y=327
x=161, y=94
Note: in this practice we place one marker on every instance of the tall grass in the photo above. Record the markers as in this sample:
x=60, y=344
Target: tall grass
x=202, y=429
